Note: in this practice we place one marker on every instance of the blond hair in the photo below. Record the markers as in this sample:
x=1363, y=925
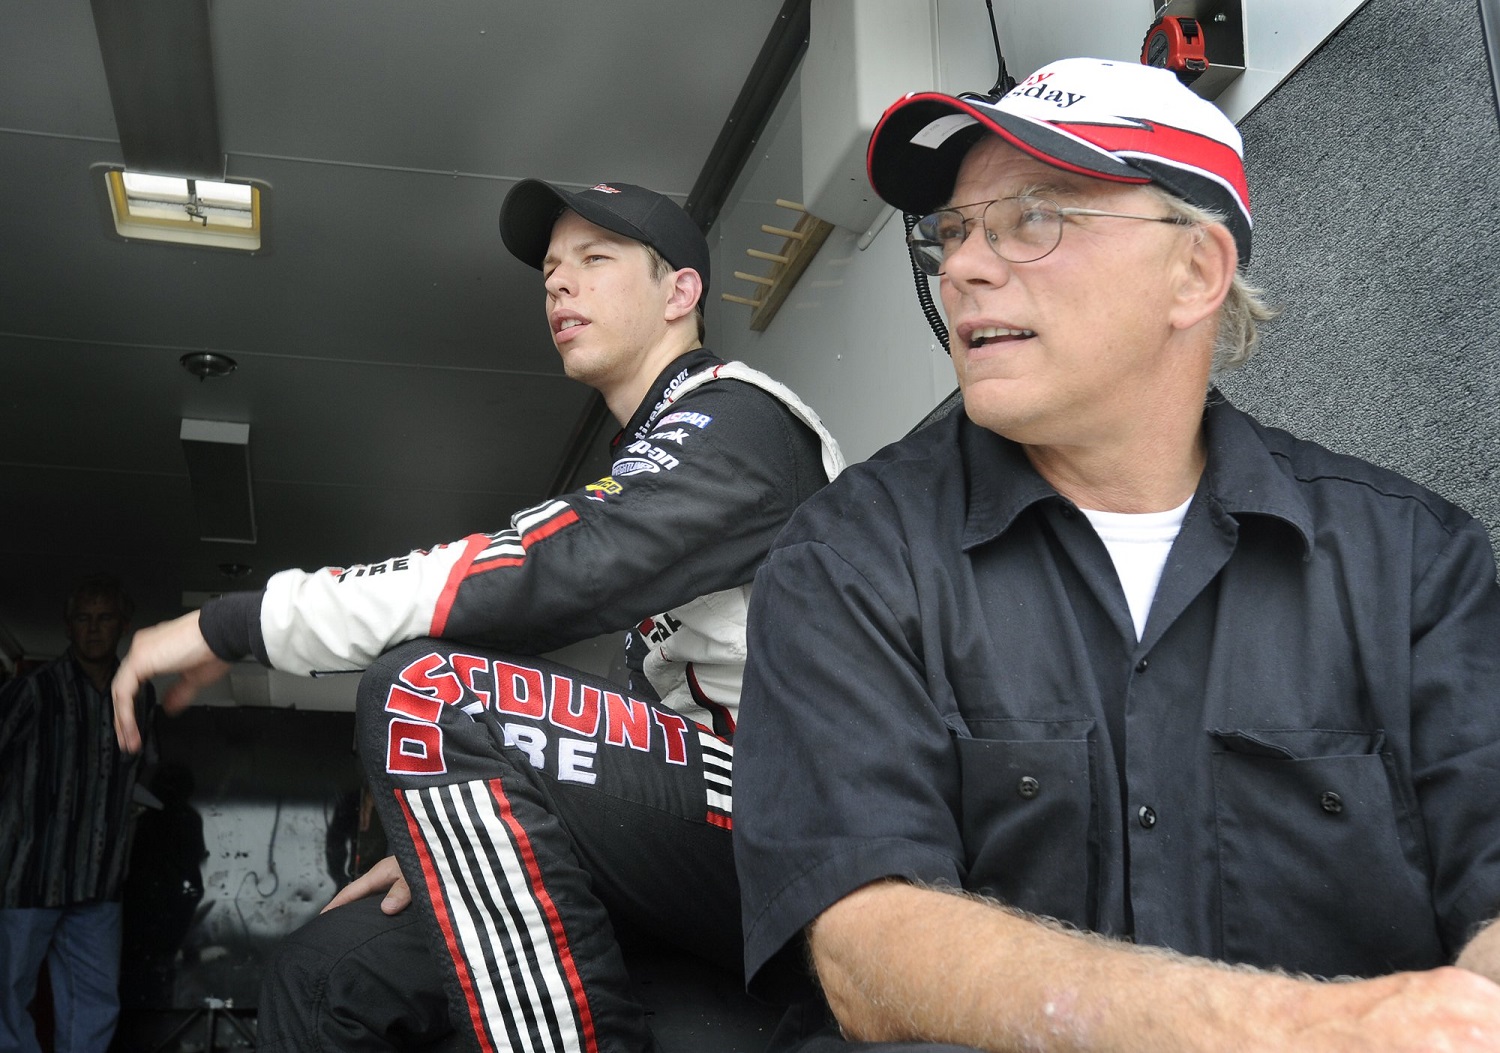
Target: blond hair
x=1244, y=307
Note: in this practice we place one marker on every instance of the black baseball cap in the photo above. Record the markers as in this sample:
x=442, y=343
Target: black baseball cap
x=532, y=207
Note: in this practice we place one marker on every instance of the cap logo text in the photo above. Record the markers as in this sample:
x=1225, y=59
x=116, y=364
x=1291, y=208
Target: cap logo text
x=1035, y=87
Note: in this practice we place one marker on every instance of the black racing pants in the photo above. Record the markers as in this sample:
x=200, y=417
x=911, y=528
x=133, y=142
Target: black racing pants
x=529, y=805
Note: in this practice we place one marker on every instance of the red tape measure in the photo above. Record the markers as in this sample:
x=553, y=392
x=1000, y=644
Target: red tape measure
x=1176, y=44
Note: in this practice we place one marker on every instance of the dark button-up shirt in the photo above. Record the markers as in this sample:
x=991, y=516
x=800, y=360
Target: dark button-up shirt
x=65, y=789
x=1297, y=765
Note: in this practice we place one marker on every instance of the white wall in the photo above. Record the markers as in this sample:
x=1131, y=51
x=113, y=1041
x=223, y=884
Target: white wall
x=850, y=338
x=1279, y=36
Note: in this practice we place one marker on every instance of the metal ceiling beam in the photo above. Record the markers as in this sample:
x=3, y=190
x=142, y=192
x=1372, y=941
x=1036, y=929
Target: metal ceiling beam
x=768, y=78
x=218, y=463
x=158, y=63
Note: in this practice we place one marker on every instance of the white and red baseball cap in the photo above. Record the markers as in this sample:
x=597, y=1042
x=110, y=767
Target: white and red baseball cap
x=1119, y=121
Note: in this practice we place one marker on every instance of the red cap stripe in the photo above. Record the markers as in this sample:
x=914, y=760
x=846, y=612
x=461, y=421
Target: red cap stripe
x=1170, y=144
x=1054, y=161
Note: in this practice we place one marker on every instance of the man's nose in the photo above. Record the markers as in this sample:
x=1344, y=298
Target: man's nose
x=975, y=261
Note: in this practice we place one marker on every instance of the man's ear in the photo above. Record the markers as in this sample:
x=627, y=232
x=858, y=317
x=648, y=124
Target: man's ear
x=687, y=290
x=1206, y=276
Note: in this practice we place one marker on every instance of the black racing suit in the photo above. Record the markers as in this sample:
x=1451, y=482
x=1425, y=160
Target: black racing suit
x=527, y=802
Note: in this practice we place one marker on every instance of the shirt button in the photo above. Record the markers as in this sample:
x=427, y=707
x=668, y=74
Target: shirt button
x=1142, y=665
x=1028, y=787
x=1147, y=816
x=1332, y=803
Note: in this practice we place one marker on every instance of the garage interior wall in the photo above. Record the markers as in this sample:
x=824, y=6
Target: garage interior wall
x=1375, y=184
x=1376, y=191
x=850, y=338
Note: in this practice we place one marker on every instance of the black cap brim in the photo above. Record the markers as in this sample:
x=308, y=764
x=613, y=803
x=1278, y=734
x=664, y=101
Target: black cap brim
x=530, y=212
x=531, y=209
x=918, y=178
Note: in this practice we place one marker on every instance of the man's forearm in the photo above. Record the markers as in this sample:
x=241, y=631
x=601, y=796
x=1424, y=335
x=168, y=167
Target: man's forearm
x=1482, y=955
x=899, y=963
x=955, y=969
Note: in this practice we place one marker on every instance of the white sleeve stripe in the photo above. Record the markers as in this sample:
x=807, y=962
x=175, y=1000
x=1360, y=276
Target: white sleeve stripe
x=715, y=744
x=505, y=548
x=533, y=517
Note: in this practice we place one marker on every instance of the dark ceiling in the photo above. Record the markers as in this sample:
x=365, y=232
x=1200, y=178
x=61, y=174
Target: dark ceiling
x=394, y=365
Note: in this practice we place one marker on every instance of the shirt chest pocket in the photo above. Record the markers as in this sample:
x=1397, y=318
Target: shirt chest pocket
x=1320, y=854
x=1029, y=820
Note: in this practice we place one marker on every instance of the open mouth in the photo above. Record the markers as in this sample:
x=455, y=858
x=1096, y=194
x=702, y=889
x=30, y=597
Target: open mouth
x=996, y=334
x=562, y=325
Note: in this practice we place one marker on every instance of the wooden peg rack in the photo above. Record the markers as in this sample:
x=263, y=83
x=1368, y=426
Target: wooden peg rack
x=801, y=243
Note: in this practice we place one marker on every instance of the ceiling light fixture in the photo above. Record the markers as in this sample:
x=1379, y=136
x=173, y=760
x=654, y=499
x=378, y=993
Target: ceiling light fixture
x=205, y=364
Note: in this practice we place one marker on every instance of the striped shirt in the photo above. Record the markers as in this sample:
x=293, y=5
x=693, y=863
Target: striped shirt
x=65, y=789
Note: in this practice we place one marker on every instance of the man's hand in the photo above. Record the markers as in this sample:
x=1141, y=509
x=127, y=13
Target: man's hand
x=384, y=876
x=170, y=647
x=1442, y=1009
x=1482, y=955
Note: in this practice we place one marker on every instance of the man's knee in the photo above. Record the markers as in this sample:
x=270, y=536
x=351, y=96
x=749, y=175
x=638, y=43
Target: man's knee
x=353, y=978
x=397, y=711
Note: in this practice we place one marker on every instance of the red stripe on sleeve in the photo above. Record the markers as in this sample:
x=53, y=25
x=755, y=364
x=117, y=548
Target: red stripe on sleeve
x=473, y=546
x=550, y=527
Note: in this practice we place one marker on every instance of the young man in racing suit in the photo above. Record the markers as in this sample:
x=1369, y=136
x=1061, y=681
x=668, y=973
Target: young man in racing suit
x=530, y=803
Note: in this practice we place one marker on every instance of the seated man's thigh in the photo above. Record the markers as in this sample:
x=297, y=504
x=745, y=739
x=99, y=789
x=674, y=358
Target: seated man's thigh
x=604, y=784
x=353, y=978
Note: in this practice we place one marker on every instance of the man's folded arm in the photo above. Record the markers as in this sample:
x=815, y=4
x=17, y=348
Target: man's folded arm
x=903, y=963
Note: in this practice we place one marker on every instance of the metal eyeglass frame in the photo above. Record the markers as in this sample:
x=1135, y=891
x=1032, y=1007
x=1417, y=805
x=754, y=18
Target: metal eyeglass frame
x=928, y=252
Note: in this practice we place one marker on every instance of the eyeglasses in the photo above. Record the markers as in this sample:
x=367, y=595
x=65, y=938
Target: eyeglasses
x=1017, y=229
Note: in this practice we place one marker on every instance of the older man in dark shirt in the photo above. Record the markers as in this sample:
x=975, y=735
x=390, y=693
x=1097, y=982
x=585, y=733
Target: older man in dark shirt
x=1162, y=690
